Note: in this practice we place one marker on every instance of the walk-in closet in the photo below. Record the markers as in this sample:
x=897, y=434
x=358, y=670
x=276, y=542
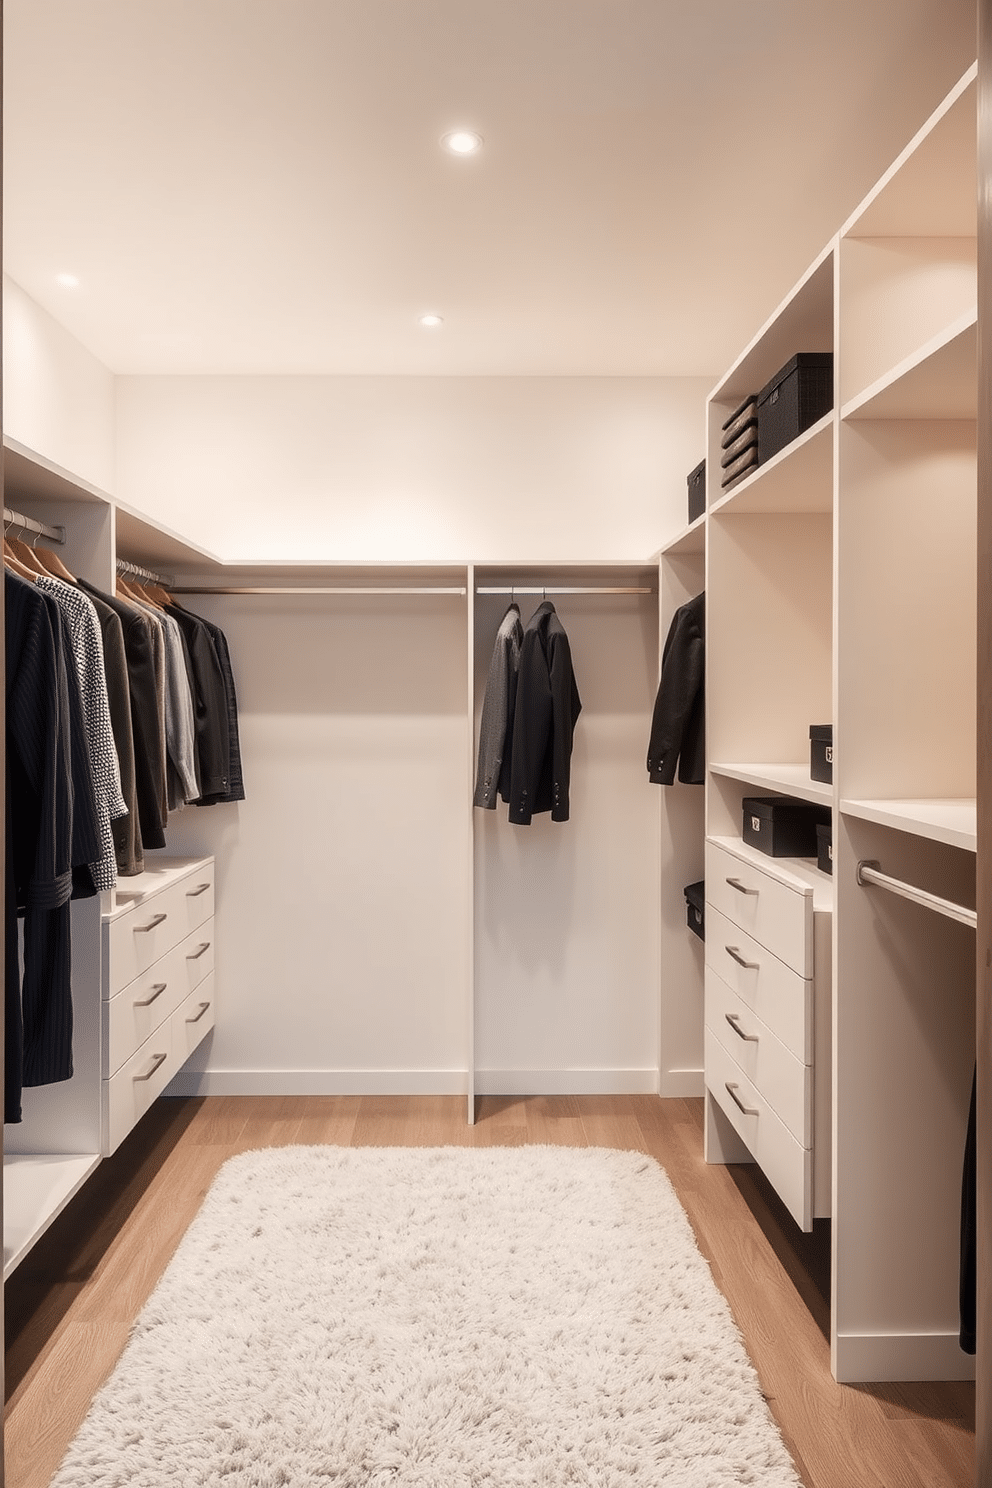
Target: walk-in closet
x=361, y=489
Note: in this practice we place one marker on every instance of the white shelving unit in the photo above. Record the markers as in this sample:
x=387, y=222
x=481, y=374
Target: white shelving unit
x=60, y=1141
x=841, y=587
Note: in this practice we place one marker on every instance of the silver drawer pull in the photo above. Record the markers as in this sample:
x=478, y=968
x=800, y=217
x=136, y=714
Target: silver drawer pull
x=734, y=953
x=203, y=1008
x=751, y=1038
x=156, y=991
x=155, y=920
x=200, y=950
x=157, y=1061
x=732, y=1092
x=735, y=883
x=195, y=893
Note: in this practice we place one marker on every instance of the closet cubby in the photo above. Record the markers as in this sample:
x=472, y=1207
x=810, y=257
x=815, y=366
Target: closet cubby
x=841, y=588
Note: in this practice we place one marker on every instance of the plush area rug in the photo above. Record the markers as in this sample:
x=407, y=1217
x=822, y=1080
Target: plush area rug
x=434, y=1318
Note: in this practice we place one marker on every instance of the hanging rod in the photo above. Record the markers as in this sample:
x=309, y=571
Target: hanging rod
x=292, y=589
x=868, y=873
x=135, y=571
x=541, y=589
x=28, y=524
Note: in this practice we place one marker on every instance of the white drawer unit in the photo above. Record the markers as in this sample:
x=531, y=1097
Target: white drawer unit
x=158, y=999
x=767, y=1016
x=776, y=908
x=786, y=1163
x=785, y=1081
x=156, y=911
x=780, y=996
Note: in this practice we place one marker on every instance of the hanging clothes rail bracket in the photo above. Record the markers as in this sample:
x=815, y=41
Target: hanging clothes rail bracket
x=512, y=590
x=869, y=873
x=28, y=524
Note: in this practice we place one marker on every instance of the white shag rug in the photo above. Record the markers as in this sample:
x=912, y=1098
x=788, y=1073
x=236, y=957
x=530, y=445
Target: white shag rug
x=528, y=1317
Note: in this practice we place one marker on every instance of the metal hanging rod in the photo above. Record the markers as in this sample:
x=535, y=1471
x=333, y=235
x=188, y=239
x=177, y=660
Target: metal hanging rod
x=294, y=589
x=135, y=571
x=869, y=873
x=28, y=524
x=514, y=589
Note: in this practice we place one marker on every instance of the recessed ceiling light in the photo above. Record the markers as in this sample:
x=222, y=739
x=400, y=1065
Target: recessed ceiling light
x=462, y=142
x=67, y=281
x=431, y=321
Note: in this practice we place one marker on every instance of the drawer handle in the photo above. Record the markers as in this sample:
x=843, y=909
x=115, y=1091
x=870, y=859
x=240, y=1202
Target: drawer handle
x=751, y=1038
x=203, y=1008
x=200, y=951
x=156, y=991
x=732, y=1092
x=195, y=893
x=734, y=953
x=735, y=883
x=155, y=920
x=157, y=1061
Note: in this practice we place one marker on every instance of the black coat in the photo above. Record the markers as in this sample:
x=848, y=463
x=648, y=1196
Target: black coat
x=547, y=706
x=678, y=726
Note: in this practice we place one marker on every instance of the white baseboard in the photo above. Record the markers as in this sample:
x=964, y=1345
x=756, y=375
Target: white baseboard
x=413, y=1082
x=859, y=1358
x=567, y=1082
x=319, y=1082
x=682, y=1083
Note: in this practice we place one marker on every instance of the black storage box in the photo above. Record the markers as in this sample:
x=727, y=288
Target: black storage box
x=800, y=393
x=821, y=752
x=694, y=901
x=824, y=847
x=696, y=482
x=782, y=826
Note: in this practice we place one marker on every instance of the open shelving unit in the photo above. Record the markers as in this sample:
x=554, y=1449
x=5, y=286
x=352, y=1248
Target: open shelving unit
x=841, y=588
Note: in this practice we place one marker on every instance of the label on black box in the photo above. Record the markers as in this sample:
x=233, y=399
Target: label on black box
x=756, y=824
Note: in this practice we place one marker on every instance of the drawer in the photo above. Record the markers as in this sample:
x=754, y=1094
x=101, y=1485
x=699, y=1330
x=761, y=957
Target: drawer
x=193, y=1020
x=129, y=1093
x=781, y=997
x=781, y=1079
x=135, y=1013
x=784, y=1161
x=778, y=914
x=142, y=935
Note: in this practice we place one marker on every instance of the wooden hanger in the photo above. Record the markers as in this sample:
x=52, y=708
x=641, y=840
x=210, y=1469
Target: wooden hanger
x=27, y=557
x=15, y=565
x=54, y=564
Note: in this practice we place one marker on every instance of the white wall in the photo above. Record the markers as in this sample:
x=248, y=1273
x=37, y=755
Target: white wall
x=58, y=400
x=404, y=467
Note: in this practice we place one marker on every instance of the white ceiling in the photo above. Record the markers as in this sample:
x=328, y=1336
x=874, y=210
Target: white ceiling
x=257, y=185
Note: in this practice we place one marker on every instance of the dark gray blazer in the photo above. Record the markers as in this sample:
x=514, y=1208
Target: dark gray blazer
x=548, y=705
x=496, y=730
x=678, y=724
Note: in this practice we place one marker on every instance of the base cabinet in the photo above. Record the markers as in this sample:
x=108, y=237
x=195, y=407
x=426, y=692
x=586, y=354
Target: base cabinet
x=158, y=981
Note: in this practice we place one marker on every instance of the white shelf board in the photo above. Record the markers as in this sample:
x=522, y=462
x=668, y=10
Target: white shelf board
x=802, y=873
x=35, y=1191
x=789, y=780
x=691, y=539
x=798, y=479
x=939, y=380
x=953, y=821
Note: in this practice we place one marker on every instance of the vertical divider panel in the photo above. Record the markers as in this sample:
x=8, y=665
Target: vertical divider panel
x=470, y=830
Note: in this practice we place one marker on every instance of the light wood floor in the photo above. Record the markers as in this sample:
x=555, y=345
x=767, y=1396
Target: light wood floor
x=70, y=1303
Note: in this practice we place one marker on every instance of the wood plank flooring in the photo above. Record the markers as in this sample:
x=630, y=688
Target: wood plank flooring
x=72, y=1300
